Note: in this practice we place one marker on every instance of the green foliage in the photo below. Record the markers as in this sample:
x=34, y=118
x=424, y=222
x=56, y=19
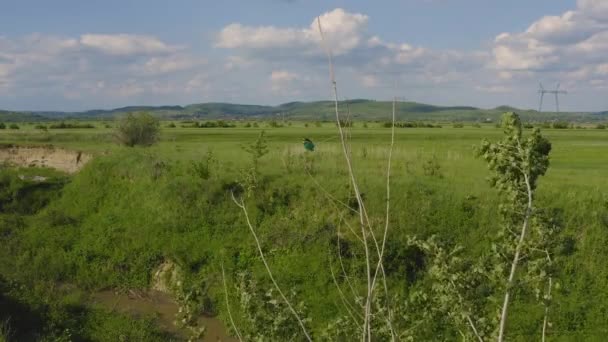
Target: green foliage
x=204, y=169
x=70, y=125
x=265, y=314
x=115, y=221
x=250, y=176
x=431, y=167
x=137, y=129
x=2, y=125
x=560, y=125
x=212, y=124
x=600, y=126
x=515, y=160
x=13, y=126
x=410, y=125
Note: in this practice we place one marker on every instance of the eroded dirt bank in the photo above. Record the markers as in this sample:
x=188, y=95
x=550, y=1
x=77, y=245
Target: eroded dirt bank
x=44, y=156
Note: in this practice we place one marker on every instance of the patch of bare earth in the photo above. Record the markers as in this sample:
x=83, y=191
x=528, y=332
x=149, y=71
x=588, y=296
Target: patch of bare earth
x=47, y=156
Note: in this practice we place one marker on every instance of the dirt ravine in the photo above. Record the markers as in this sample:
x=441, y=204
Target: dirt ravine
x=44, y=156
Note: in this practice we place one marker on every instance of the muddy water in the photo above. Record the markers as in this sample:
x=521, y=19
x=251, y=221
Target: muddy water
x=163, y=307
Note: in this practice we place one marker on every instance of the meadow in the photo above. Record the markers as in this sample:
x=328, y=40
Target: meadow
x=129, y=210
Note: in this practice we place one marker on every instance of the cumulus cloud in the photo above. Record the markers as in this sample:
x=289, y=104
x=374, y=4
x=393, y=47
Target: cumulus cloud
x=96, y=67
x=344, y=30
x=271, y=64
x=285, y=82
x=125, y=44
x=572, y=40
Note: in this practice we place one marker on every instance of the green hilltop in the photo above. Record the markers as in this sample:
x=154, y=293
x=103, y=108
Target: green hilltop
x=361, y=109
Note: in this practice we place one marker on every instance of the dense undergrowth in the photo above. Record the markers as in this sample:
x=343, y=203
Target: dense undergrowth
x=126, y=213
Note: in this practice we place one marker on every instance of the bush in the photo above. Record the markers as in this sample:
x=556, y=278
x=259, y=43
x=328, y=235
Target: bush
x=458, y=125
x=600, y=126
x=13, y=126
x=63, y=125
x=138, y=129
x=560, y=125
x=2, y=125
x=476, y=125
x=171, y=125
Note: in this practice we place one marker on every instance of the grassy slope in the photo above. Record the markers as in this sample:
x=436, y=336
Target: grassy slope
x=320, y=110
x=127, y=211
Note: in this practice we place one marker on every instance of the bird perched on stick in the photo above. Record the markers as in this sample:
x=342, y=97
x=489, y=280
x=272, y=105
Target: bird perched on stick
x=309, y=145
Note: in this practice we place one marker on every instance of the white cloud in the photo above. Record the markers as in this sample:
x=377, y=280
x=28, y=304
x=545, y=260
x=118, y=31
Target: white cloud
x=343, y=31
x=572, y=40
x=281, y=76
x=125, y=44
x=170, y=64
x=284, y=82
x=270, y=64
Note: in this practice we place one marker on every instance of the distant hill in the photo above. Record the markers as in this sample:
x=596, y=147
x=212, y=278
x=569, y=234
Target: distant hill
x=8, y=116
x=361, y=109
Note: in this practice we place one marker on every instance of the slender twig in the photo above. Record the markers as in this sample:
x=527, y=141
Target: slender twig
x=238, y=334
x=546, y=318
x=366, y=336
x=347, y=305
x=329, y=195
x=387, y=219
x=346, y=277
x=259, y=246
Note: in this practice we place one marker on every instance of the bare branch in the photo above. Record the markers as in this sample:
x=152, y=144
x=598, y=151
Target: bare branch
x=259, y=246
x=238, y=334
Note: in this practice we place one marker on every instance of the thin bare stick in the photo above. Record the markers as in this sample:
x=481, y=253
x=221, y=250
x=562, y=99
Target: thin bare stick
x=238, y=334
x=347, y=305
x=546, y=318
x=241, y=205
x=472, y=325
x=366, y=336
x=346, y=277
x=329, y=195
x=387, y=219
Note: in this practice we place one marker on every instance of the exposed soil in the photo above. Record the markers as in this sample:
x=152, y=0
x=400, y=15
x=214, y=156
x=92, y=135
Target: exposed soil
x=161, y=305
x=47, y=156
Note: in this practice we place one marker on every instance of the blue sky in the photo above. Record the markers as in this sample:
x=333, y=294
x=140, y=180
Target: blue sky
x=74, y=54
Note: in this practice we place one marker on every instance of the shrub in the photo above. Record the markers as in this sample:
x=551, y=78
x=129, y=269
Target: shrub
x=63, y=125
x=137, y=129
x=13, y=126
x=600, y=126
x=171, y=125
x=458, y=125
x=476, y=125
x=2, y=125
x=560, y=125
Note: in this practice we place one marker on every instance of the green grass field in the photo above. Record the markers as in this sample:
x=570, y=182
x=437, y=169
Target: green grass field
x=114, y=222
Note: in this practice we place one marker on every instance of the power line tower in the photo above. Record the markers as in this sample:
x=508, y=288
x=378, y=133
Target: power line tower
x=555, y=92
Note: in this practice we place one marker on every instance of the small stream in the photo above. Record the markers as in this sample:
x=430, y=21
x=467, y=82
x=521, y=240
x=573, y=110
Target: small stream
x=161, y=306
